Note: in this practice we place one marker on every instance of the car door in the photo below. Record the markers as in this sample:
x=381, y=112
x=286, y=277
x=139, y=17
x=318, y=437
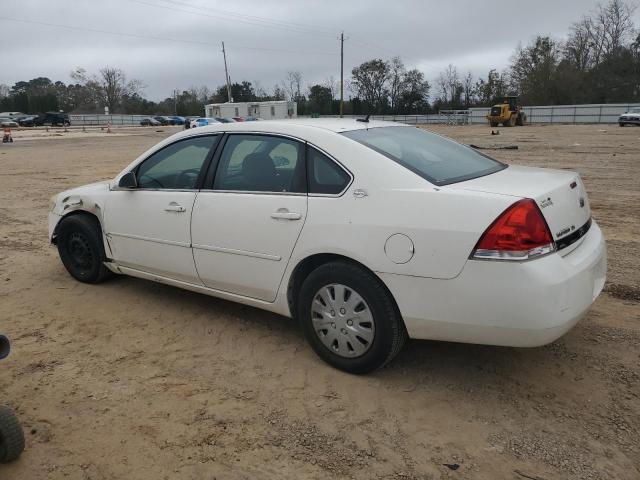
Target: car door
x=245, y=225
x=148, y=227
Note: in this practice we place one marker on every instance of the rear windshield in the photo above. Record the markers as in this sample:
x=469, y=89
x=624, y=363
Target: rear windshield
x=435, y=158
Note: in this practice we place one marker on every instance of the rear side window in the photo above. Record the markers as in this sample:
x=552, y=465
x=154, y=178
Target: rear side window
x=324, y=175
x=435, y=158
x=261, y=163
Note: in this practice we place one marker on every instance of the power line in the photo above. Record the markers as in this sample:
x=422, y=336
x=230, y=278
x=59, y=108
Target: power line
x=167, y=39
x=266, y=20
x=235, y=17
x=269, y=23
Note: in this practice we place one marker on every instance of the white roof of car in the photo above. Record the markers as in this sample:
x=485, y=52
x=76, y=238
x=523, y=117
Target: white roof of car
x=331, y=124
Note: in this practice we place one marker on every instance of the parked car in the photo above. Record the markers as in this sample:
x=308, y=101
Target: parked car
x=188, y=120
x=177, y=120
x=162, y=120
x=632, y=117
x=7, y=122
x=56, y=119
x=11, y=115
x=366, y=232
x=238, y=119
x=252, y=119
x=225, y=120
x=203, y=122
x=31, y=121
x=149, y=122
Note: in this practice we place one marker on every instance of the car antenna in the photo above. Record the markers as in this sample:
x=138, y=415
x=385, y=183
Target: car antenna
x=365, y=119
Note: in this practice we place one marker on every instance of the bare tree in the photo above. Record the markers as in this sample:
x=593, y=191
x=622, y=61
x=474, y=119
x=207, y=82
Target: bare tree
x=333, y=85
x=292, y=85
x=114, y=86
x=578, y=48
x=450, y=86
x=260, y=92
x=397, y=74
x=600, y=33
x=109, y=88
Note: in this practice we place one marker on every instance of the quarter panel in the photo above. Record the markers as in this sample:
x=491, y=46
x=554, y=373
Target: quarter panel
x=443, y=225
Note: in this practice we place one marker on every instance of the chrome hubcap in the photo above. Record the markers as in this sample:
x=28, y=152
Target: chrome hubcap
x=342, y=320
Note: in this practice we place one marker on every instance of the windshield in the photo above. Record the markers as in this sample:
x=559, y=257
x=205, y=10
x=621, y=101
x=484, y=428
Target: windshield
x=435, y=158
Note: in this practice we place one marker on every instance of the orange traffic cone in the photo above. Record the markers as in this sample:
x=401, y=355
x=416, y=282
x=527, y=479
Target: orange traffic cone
x=6, y=137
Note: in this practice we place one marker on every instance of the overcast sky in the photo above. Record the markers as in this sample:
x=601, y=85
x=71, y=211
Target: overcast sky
x=265, y=39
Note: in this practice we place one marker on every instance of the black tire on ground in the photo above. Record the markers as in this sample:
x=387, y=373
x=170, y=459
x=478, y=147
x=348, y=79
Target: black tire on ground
x=494, y=124
x=390, y=332
x=79, y=239
x=511, y=122
x=622, y=124
x=521, y=119
x=11, y=436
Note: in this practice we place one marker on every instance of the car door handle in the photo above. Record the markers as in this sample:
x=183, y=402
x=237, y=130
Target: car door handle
x=174, y=207
x=286, y=215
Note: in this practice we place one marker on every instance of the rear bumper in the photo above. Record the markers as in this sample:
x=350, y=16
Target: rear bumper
x=519, y=304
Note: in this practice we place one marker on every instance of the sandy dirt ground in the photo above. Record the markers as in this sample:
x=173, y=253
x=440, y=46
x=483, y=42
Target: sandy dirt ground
x=136, y=380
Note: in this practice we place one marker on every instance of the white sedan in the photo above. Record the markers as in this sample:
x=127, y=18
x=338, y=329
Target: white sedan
x=366, y=232
x=203, y=122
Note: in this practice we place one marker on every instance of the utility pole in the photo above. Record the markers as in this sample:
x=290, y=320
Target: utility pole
x=226, y=74
x=341, y=72
x=175, y=102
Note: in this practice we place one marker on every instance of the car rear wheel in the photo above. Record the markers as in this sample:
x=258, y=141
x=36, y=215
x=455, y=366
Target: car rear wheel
x=81, y=250
x=349, y=318
x=11, y=436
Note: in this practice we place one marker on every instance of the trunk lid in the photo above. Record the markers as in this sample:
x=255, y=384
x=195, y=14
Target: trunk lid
x=560, y=195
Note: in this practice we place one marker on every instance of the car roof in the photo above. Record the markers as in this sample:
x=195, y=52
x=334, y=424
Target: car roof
x=337, y=125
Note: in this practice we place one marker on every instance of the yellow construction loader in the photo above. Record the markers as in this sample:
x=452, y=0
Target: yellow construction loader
x=508, y=113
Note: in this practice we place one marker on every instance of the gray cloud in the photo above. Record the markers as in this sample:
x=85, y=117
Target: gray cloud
x=426, y=34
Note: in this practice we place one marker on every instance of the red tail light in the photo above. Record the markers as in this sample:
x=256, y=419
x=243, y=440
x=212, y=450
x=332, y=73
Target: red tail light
x=519, y=233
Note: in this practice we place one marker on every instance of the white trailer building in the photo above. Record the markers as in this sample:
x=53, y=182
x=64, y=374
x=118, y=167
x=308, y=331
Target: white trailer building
x=267, y=110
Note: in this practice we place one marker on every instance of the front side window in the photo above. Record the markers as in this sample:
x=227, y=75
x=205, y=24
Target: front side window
x=435, y=158
x=324, y=175
x=176, y=166
x=261, y=163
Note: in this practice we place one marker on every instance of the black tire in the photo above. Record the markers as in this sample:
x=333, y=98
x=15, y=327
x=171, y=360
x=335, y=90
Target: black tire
x=390, y=332
x=11, y=436
x=622, y=124
x=521, y=119
x=79, y=239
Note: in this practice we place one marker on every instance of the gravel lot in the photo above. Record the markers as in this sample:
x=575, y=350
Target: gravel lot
x=136, y=380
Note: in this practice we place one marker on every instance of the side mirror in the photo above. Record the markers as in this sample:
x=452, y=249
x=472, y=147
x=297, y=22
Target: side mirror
x=128, y=180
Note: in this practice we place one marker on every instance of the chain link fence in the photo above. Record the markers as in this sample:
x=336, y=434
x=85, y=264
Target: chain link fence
x=100, y=120
x=560, y=114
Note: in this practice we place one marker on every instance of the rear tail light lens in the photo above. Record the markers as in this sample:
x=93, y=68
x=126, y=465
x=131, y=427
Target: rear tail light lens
x=519, y=233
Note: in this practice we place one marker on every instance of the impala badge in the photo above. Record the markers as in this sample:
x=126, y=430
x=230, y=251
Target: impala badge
x=546, y=203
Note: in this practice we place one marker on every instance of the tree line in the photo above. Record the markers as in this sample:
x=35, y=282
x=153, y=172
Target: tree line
x=598, y=62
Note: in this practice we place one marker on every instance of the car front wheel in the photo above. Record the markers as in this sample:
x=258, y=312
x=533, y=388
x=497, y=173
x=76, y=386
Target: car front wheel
x=349, y=318
x=79, y=240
